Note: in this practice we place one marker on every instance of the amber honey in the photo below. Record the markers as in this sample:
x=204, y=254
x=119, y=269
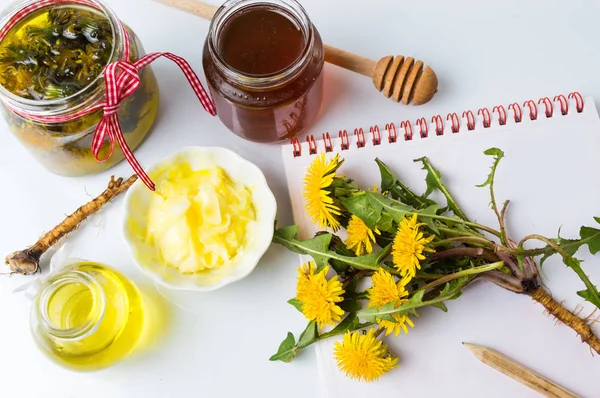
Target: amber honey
x=263, y=62
x=261, y=41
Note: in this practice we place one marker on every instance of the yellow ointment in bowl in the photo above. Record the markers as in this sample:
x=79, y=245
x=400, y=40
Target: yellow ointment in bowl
x=207, y=224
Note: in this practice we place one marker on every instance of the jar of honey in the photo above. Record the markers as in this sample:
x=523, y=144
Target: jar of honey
x=52, y=57
x=263, y=62
x=87, y=316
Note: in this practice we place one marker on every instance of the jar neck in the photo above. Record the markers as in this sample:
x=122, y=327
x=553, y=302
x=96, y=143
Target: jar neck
x=90, y=95
x=293, y=10
x=48, y=293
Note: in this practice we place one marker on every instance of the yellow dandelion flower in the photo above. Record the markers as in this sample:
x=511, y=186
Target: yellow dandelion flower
x=319, y=295
x=385, y=290
x=408, y=247
x=400, y=322
x=319, y=203
x=360, y=237
x=362, y=357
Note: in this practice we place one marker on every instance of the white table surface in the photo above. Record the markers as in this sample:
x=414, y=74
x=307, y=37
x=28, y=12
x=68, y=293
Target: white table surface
x=485, y=53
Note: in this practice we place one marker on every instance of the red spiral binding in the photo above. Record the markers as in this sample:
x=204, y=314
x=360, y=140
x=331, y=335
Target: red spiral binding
x=360, y=142
x=518, y=112
x=548, y=105
x=345, y=140
x=376, y=135
x=392, y=135
x=532, y=109
x=501, y=114
x=456, y=124
x=470, y=119
x=439, y=124
x=578, y=100
x=327, y=142
x=487, y=119
x=408, y=131
x=297, y=148
x=312, y=144
x=422, y=122
x=564, y=104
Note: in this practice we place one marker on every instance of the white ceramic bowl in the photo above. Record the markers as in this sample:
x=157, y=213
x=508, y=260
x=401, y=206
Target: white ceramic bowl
x=145, y=256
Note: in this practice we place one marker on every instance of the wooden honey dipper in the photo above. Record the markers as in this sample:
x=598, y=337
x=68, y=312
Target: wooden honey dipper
x=403, y=79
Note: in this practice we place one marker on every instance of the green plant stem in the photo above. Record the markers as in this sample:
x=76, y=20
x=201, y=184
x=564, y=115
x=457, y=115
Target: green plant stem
x=325, y=336
x=498, y=155
x=503, y=216
x=472, y=240
x=405, y=308
x=456, y=233
x=549, y=242
x=470, y=271
x=444, y=218
x=457, y=252
x=545, y=250
x=465, y=223
x=458, y=221
x=493, y=201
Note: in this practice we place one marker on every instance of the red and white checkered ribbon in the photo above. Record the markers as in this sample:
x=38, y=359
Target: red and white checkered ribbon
x=119, y=87
x=121, y=79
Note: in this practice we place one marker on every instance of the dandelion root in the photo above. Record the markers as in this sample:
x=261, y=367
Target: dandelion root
x=568, y=318
x=27, y=261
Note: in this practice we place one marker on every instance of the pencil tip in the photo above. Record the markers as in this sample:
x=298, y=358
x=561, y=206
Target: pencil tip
x=469, y=345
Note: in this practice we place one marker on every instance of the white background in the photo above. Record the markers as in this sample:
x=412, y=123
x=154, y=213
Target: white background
x=484, y=53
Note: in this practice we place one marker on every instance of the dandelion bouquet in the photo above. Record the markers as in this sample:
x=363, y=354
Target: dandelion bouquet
x=405, y=251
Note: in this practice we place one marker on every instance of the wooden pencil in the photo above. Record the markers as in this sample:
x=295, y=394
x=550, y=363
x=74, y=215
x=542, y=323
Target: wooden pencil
x=519, y=373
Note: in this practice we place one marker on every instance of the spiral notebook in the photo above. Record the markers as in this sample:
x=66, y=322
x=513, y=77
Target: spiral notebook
x=552, y=158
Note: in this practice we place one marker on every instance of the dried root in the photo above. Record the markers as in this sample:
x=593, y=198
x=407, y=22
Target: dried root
x=27, y=262
x=568, y=318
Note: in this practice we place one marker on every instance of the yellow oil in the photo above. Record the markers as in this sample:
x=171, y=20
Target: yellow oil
x=91, y=316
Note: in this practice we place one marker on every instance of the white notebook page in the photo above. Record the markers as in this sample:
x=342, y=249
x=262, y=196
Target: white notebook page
x=550, y=174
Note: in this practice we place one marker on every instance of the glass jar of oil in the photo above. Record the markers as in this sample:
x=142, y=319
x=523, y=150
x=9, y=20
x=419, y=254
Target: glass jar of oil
x=87, y=316
x=52, y=57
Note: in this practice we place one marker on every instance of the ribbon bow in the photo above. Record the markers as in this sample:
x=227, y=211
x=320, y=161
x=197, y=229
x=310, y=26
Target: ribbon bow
x=120, y=86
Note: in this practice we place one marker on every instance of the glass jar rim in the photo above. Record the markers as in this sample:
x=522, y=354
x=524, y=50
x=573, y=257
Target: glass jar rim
x=80, y=331
x=232, y=7
x=118, y=34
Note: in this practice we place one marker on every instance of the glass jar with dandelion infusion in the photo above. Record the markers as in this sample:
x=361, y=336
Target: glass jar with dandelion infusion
x=52, y=57
x=87, y=316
